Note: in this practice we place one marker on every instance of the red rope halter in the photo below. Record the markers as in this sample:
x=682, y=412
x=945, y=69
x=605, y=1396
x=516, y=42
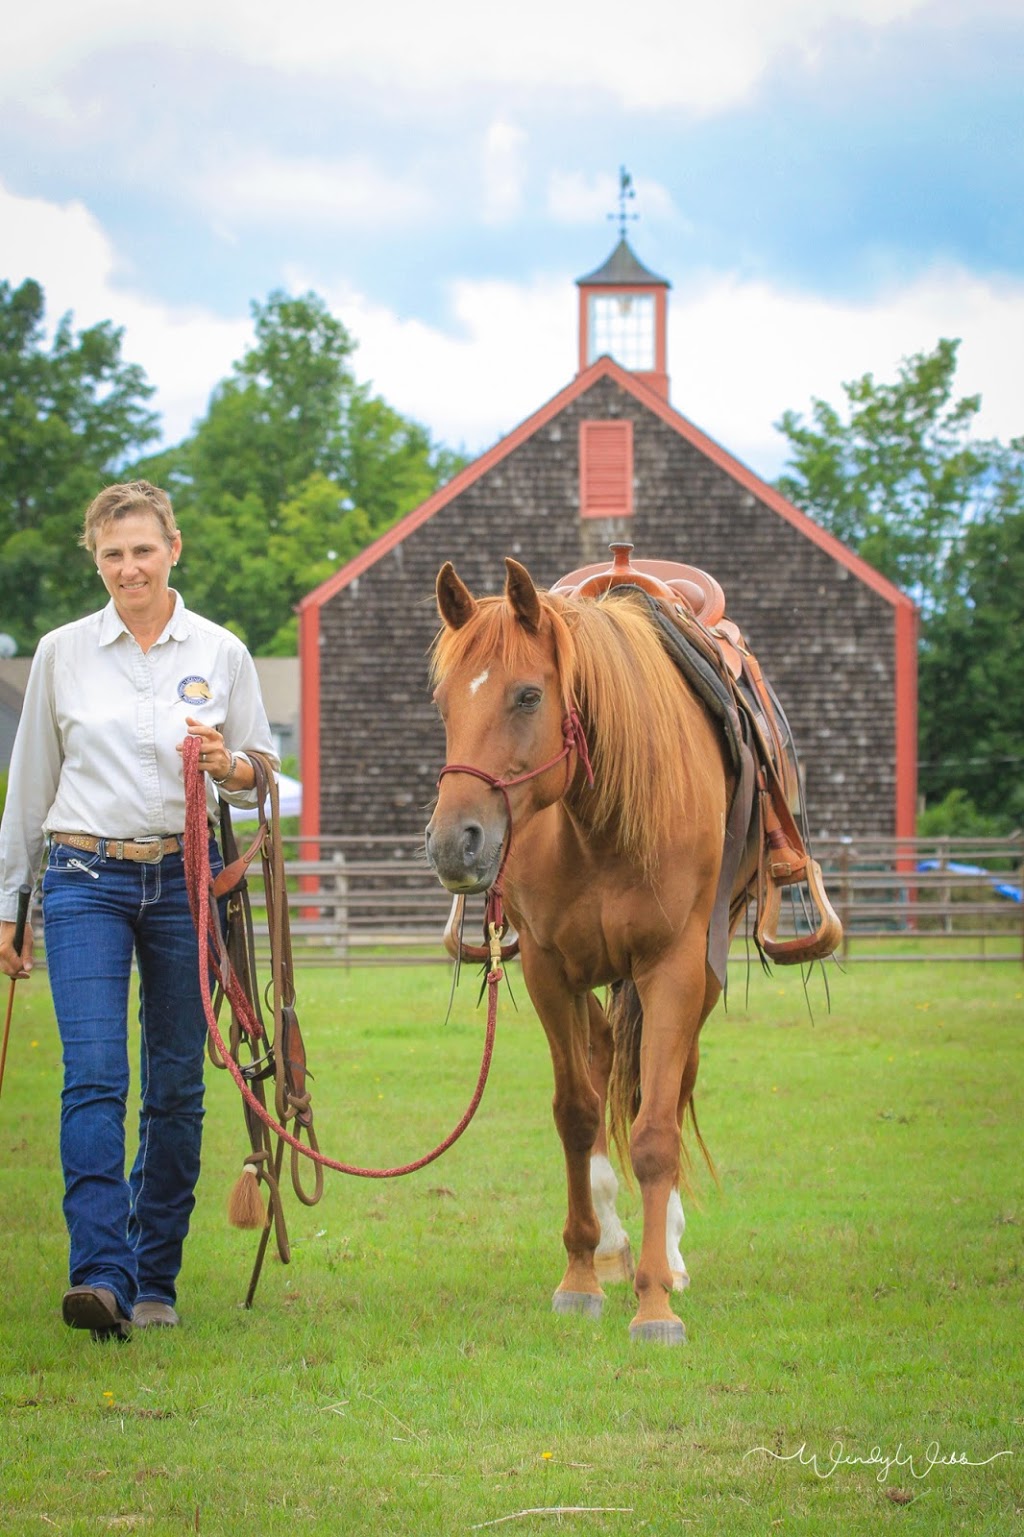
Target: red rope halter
x=574, y=741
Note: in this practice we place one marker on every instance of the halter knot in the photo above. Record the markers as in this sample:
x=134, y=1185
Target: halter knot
x=576, y=738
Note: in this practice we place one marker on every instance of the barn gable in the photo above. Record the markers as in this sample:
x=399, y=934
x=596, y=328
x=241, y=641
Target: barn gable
x=837, y=640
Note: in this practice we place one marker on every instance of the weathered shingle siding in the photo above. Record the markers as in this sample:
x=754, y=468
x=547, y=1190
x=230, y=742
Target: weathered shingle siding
x=825, y=639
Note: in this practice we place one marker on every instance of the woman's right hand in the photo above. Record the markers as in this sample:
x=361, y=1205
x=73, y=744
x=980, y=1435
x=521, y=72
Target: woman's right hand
x=11, y=963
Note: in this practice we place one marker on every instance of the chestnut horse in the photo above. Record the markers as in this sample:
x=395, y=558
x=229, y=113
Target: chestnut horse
x=609, y=880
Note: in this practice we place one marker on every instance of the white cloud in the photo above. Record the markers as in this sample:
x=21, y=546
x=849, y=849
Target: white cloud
x=742, y=353
x=313, y=191
x=739, y=353
x=184, y=350
x=701, y=57
x=506, y=349
x=504, y=171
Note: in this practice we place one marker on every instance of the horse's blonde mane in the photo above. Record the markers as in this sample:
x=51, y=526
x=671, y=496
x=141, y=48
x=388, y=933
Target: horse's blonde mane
x=651, y=767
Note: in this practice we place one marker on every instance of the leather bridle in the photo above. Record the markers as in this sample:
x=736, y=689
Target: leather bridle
x=574, y=740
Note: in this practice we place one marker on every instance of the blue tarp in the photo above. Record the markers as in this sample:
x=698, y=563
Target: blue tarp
x=1000, y=886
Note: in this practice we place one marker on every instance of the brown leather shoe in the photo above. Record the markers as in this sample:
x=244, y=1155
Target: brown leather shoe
x=154, y=1315
x=95, y=1308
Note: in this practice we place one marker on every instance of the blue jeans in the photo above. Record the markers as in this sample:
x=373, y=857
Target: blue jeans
x=126, y=1235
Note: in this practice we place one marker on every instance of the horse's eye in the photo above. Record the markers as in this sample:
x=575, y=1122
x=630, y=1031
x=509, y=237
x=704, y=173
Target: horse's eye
x=529, y=699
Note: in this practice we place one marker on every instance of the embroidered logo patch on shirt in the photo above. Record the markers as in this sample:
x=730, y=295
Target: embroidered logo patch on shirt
x=194, y=690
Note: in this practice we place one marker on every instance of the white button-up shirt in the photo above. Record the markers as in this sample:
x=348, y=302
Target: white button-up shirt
x=102, y=719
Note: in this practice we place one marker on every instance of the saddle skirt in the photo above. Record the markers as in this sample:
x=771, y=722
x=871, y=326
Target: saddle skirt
x=688, y=608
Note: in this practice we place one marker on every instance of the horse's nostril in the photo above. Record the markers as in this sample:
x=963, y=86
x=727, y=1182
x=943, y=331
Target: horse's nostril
x=472, y=843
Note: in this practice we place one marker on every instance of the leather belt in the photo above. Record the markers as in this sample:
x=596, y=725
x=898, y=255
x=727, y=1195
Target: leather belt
x=145, y=851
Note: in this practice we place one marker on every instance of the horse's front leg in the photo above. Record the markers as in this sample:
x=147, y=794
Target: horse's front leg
x=577, y=1113
x=672, y=999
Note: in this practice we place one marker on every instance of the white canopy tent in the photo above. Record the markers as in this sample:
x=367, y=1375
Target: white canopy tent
x=290, y=793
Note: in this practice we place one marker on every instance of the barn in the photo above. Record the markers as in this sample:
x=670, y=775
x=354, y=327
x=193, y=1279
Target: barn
x=610, y=459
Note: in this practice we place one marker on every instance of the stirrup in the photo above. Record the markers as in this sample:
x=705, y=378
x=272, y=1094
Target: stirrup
x=816, y=946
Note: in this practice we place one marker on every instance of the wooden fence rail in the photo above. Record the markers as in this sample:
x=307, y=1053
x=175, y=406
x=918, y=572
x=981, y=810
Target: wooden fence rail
x=365, y=901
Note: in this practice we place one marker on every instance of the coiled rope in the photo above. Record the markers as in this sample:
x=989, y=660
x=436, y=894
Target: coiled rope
x=199, y=881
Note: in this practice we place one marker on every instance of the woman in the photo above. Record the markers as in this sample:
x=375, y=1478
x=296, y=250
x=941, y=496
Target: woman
x=97, y=774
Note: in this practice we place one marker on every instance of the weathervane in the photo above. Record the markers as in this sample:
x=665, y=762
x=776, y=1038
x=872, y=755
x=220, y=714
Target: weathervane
x=626, y=193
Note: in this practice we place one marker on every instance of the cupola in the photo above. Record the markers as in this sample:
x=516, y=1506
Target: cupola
x=624, y=316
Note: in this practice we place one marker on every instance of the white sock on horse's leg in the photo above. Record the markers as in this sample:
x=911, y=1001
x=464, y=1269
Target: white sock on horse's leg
x=675, y=1227
x=613, y=1256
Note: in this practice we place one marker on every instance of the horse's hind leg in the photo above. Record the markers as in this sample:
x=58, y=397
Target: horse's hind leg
x=675, y=1221
x=613, y=1259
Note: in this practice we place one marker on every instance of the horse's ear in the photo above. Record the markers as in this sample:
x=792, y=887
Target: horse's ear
x=522, y=594
x=455, y=603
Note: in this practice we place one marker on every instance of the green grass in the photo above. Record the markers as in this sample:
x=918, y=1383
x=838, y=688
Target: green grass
x=856, y=1280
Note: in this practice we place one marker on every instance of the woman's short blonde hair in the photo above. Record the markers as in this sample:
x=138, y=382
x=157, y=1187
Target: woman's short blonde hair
x=116, y=502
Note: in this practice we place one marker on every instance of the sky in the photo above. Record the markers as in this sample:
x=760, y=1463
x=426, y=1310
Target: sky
x=829, y=186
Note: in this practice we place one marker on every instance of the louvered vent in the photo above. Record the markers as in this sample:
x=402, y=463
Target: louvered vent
x=606, y=469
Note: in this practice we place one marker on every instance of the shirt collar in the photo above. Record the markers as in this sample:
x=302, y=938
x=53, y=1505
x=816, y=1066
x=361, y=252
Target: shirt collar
x=112, y=626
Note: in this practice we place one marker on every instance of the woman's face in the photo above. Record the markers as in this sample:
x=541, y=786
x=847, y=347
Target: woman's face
x=135, y=560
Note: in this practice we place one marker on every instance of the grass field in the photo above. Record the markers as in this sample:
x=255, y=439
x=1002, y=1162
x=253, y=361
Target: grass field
x=855, y=1319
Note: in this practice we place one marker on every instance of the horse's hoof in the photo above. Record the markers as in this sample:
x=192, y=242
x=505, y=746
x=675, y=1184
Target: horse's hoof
x=659, y=1331
x=680, y=1280
x=587, y=1303
x=616, y=1265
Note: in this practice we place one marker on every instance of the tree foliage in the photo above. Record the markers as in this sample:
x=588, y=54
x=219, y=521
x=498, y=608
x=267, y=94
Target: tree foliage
x=972, y=669
x=71, y=414
x=899, y=477
x=294, y=469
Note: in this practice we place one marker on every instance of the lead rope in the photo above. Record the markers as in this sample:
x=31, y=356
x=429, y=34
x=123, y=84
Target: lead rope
x=199, y=881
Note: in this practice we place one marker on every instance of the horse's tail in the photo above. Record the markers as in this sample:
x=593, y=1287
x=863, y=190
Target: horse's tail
x=626, y=1017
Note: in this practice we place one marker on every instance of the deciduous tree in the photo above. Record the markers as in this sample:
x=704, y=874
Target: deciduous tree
x=72, y=413
x=294, y=469
x=899, y=477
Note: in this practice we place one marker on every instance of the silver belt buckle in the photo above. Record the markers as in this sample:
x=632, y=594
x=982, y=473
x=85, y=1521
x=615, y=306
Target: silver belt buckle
x=157, y=854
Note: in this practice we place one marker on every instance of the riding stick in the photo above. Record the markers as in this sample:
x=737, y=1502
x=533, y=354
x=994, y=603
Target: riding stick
x=24, y=897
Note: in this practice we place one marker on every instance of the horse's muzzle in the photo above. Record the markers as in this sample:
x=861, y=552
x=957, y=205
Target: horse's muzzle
x=464, y=856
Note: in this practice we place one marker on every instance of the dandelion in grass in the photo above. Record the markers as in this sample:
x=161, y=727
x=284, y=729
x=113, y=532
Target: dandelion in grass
x=547, y=1456
x=109, y=1397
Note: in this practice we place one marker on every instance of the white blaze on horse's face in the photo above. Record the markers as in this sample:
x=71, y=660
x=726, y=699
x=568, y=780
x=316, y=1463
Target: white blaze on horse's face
x=478, y=682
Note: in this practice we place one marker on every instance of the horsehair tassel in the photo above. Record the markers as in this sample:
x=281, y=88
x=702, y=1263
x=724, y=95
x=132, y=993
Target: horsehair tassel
x=245, y=1204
